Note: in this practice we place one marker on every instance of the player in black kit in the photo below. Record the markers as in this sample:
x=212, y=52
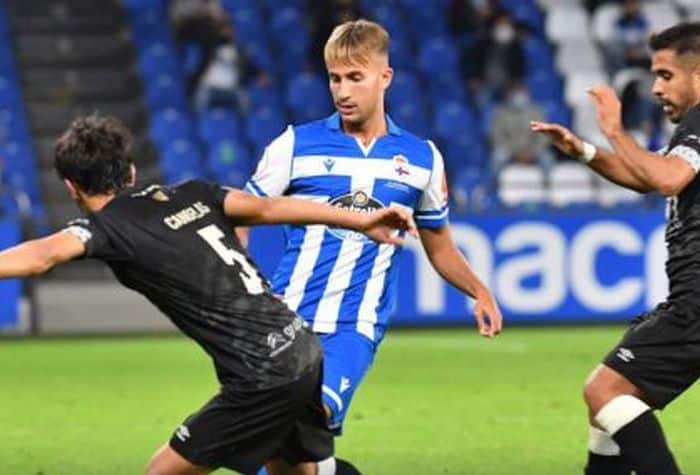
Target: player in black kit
x=176, y=246
x=659, y=356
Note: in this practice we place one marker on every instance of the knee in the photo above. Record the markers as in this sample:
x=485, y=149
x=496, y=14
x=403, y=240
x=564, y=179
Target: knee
x=157, y=465
x=595, y=391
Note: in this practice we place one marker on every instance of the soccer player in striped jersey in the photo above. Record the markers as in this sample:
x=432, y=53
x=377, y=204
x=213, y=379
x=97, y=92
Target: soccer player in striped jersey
x=342, y=284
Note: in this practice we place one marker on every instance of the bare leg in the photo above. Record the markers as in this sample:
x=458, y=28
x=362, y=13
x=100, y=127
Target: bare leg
x=168, y=462
x=280, y=467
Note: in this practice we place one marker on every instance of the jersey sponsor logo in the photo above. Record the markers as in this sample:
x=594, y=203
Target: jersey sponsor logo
x=278, y=342
x=357, y=201
x=186, y=216
x=625, y=355
x=182, y=433
x=329, y=163
x=344, y=384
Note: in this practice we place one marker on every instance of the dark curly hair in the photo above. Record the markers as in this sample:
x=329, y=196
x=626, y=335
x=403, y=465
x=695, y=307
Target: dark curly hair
x=94, y=154
x=681, y=38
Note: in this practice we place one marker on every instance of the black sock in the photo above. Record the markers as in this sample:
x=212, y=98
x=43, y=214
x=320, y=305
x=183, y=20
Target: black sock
x=605, y=465
x=343, y=467
x=644, y=447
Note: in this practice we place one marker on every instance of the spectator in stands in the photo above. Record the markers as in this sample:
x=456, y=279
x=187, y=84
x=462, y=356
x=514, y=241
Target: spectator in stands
x=325, y=16
x=496, y=55
x=628, y=47
x=511, y=139
x=214, y=66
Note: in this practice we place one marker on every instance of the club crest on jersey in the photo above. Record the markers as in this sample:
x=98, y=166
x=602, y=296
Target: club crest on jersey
x=401, y=165
x=358, y=201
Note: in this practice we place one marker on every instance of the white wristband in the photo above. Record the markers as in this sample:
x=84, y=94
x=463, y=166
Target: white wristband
x=588, y=154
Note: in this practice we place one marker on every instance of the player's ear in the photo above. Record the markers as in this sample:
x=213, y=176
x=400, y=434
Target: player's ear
x=387, y=76
x=132, y=178
x=72, y=189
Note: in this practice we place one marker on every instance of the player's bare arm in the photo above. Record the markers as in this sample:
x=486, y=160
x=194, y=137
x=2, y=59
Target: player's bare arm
x=247, y=210
x=629, y=165
x=452, y=266
x=40, y=255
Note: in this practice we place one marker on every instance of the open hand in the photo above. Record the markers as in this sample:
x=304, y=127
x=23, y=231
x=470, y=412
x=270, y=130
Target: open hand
x=560, y=136
x=608, y=107
x=381, y=225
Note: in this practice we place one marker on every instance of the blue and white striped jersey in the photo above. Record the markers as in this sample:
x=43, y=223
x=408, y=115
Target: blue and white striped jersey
x=334, y=278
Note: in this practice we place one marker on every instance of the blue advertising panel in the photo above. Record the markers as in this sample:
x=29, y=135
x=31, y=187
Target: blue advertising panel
x=583, y=266
x=10, y=290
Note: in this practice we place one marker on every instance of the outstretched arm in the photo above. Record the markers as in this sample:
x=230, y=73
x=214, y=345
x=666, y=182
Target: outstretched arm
x=450, y=263
x=379, y=225
x=629, y=164
x=40, y=255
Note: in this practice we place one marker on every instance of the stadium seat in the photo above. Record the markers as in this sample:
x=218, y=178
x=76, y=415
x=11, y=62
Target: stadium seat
x=578, y=55
x=453, y=119
x=521, y=185
x=578, y=82
x=180, y=160
x=230, y=163
x=410, y=115
x=661, y=15
x=169, y=125
x=158, y=58
x=544, y=86
x=439, y=60
x=571, y=183
x=405, y=87
x=165, y=91
x=567, y=21
x=603, y=22
x=262, y=126
x=258, y=52
x=401, y=55
x=248, y=22
x=538, y=55
x=136, y=6
x=219, y=124
x=263, y=95
x=308, y=98
x=466, y=150
x=291, y=39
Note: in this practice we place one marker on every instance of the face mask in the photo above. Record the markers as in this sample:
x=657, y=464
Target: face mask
x=503, y=33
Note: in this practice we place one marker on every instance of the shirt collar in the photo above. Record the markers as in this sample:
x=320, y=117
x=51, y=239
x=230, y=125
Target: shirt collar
x=333, y=123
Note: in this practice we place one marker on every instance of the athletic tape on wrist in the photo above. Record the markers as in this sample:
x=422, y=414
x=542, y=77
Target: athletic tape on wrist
x=589, y=151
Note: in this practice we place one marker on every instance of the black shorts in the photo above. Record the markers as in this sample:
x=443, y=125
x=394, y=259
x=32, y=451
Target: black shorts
x=660, y=353
x=243, y=430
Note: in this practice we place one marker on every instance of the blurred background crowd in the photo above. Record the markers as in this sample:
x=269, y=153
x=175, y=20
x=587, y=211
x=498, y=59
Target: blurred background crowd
x=206, y=84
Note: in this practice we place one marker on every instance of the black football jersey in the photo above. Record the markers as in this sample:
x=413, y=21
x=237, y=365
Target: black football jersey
x=176, y=246
x=683, y=218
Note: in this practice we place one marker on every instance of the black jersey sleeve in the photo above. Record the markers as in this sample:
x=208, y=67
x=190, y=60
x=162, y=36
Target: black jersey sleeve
x=686, y=140
x=216, y=193
x=97, y=243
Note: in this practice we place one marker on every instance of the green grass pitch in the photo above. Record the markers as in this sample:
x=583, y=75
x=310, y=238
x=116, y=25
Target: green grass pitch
x=436, y=402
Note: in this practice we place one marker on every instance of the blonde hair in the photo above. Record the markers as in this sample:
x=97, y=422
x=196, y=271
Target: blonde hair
x=356, y=41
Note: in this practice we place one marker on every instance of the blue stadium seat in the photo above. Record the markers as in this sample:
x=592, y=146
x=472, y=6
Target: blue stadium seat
x=308, y=98
x=390, y=19
x=180, y=160
x=165, y=91
x=426, y=19
x=248, y=22
x=230, y=163
x=158, y=58
x=219, y=124
x=439, y=60
x=169, y=125
x=273, y=5
x=411, y=116
x=264, y=95
x=10, y=96
x=405, y=87
x=135, y=6
x=291, y=39
x=538, y=55
x=453, y=119
x=525, y=12
x=263, y=125
x=19, y=169
x=557, y=111
x=545, y=86
x=258, y=52
x=12, y=124
x=468, y=148
x=401, y=55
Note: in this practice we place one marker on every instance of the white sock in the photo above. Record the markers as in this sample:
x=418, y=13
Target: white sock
x=619, y=412
x=327, y=467
x=602, y=443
